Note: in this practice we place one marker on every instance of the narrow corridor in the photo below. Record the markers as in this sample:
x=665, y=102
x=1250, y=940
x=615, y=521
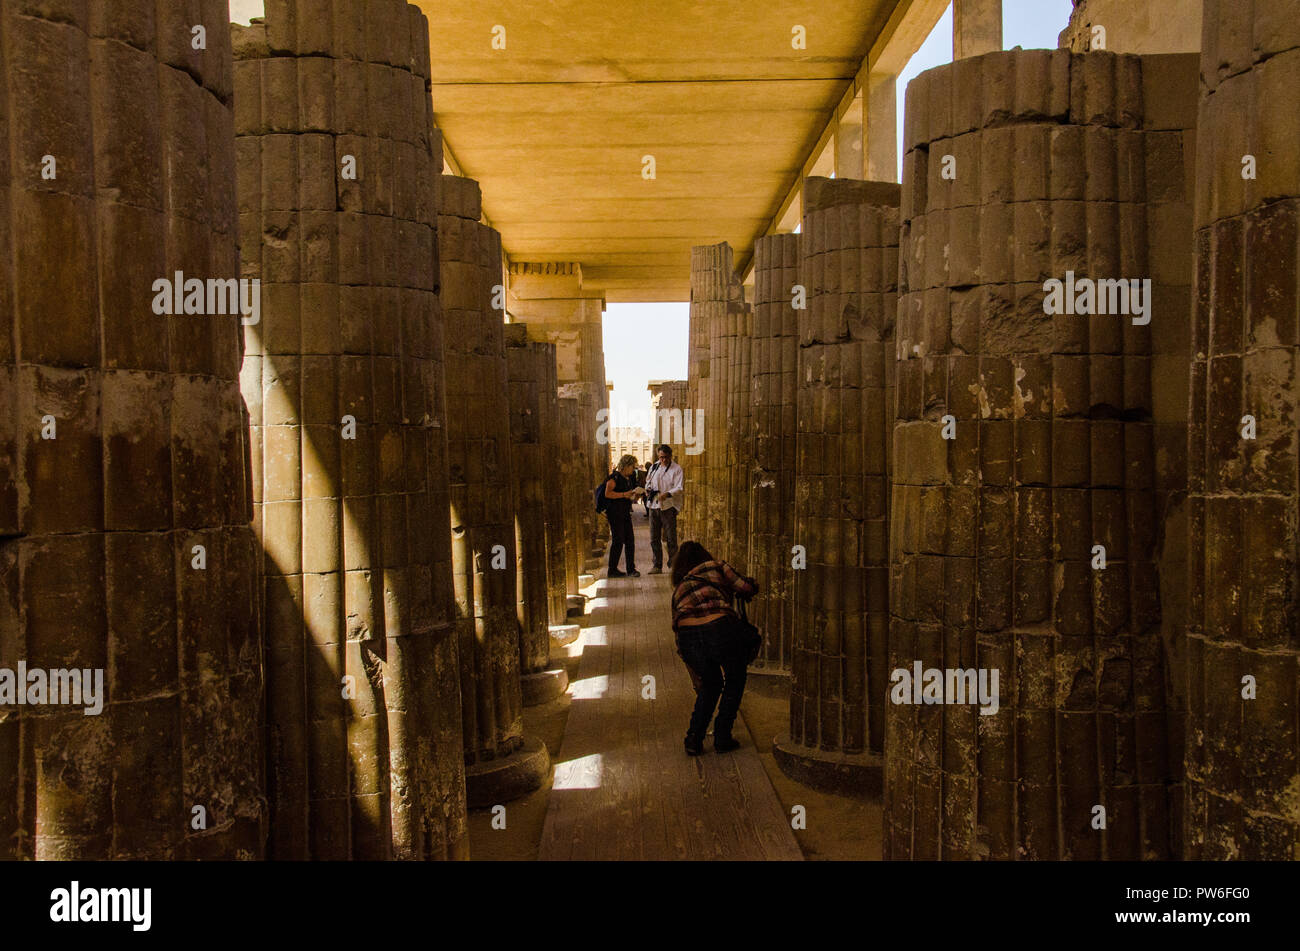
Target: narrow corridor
x=623, y=787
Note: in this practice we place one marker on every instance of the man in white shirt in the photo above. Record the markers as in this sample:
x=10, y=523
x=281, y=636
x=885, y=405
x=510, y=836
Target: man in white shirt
x=664, y=489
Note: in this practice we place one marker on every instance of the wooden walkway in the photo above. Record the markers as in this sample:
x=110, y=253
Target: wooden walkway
x=623, y=787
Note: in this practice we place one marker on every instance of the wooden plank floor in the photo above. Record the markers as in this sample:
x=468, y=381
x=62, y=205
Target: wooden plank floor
x=624, y=788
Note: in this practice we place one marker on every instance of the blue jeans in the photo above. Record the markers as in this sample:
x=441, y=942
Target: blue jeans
x=716, y=658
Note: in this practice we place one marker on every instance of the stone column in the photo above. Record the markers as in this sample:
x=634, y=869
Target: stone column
x=554, y=486
x=1024, y=471
x=577, y=499
x=717, y=408
x=976, y=27
x=595, y=457
x=714, y=292
x=550, y=298
x=530, y=367
x=502, y=763
x=850, y=135
x=1244, y=545
x=669, y=398
x=339, y=165
x=740, y=442
x=771, y=514
x=705, y=299
x=845, y=395
x=881, y=127
x=125, y=546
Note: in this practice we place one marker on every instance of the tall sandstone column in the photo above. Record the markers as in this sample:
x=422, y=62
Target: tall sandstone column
x=717, y=409
x=502, y=764
x=530, y=367
x=1243, y=755
x=715, y=291
x=740, y=440
x=1025, y=475
x=595, y=457
x=549, y=297
x=845, y=398
x=125, y=545
x=771, y=497
x=577, y=499
x=554, y=486
x=339, y=167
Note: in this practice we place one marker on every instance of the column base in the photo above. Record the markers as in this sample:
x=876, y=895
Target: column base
x=562, y=635
x=500, y=780
x=860, y=775
x=543, y=686
x=769, y=671
x=586, y=580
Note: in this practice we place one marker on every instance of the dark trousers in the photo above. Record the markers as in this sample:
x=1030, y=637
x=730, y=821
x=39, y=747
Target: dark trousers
x=620, y=537
x=715, y=656
x=663, y=522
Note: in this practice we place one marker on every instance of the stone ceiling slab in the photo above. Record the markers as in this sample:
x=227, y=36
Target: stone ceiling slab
x=556, y=125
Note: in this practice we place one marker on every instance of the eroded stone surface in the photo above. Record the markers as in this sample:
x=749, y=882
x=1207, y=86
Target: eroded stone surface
x=125, y=545
x=339, y=174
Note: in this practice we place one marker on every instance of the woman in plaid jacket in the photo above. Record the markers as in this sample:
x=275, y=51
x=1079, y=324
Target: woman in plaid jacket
x=709, y=642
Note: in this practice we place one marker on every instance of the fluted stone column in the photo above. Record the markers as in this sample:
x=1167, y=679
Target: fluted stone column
x=845, y=396
x=575, y=495
x=716, y=407
x=771, y=512
x=740, y=441
x=716, y=293
x=671, y=401
x=1243, y=783
x=531, y=367
x=709, y=266
x=1025, y=486
x=339, y=167
x=554, y=450
x=125, y=545
x=502, y=763
x=595, y=457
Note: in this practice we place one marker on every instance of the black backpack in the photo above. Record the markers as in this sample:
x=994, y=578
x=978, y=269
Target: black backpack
x=601, y=503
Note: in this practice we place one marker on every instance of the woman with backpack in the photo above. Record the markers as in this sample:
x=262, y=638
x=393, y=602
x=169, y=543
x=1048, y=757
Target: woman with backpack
x=711, y=641
x=620, y=491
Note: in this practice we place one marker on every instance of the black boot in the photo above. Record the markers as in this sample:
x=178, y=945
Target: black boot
x=694, y=745
x=725, y=743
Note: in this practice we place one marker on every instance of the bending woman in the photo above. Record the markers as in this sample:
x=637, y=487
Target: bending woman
x=709, y=642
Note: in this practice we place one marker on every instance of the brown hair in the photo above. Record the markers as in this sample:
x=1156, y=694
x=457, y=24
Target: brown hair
x=689, y=557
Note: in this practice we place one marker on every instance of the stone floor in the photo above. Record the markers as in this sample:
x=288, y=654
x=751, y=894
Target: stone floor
x=623, y=789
